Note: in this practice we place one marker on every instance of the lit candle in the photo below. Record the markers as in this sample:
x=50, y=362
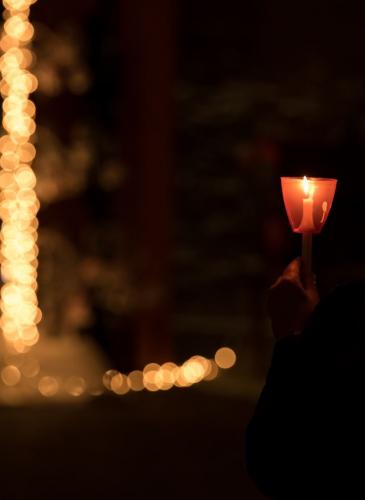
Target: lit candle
x=307, y=222
x=308, y=215
x=307, y=227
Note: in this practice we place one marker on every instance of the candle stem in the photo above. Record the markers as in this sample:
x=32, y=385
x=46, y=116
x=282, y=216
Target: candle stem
x=307, y=256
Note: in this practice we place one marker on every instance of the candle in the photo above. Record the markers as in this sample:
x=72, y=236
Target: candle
x=308, y=202
x=307, y=223
x=308, y=215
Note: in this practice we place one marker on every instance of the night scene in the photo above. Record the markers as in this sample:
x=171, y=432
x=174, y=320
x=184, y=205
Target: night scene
x=182, y=253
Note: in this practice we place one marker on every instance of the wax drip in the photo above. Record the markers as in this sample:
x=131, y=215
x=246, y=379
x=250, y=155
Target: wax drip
x=324, y=208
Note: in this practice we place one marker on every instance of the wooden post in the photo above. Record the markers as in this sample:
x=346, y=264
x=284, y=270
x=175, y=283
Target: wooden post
x=147, y=32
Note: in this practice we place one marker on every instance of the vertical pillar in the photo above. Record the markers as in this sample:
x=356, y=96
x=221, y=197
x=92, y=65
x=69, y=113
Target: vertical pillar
x=147, y=33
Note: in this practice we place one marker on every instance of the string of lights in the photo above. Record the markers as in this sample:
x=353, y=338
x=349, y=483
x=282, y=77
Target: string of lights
x=18, y=203
x=152, y=378
x=19, y=206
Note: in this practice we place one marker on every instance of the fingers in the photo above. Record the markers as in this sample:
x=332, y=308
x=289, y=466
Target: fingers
x=293, y=273
x=294, y=267
x=291, y=299
x=293, y=282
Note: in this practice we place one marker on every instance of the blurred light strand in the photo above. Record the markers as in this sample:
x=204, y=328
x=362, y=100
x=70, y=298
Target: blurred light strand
x=18, y=201
x=152, y=378
x=155, y=377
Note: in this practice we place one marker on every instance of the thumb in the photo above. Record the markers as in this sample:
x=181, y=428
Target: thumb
x=293, y=271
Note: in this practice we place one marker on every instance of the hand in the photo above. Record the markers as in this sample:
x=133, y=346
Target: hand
x=292, y=300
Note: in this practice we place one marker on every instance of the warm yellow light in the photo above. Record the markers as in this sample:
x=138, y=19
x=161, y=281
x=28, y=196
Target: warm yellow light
x=225, y=357
x=151, y=379
x=165, y=379
x=18, y=201
x=107, y=378
x=30, y=368
x=10, y=375
x=192, y=372
x=213, y=371
x=119, y=384
x=151, y=367
x=48, y=386
x=135, y=380
x=18, y=5
x=305, y=186
x=75, y=386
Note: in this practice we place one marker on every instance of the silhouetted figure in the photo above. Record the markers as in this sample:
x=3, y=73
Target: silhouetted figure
x=306, y=438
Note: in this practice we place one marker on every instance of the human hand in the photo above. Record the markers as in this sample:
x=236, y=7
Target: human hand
x=292, y=300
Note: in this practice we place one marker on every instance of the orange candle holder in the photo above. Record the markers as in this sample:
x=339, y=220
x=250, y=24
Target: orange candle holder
x=308, y=202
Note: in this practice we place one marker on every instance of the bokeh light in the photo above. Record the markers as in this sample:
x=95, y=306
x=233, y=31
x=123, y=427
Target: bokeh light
x=75, y=386
x=19, y=206
x=10, y=375
x=155, y=377
x=225, y=358
x=18, y=201
x=48, y=386
x=135, y=380
x=213, y=371
x=107, y=378
x=119, y=384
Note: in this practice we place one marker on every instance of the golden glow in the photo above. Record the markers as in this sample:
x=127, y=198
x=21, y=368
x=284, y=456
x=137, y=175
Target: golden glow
x=225, y=358
x=18, y=201
x=96, y=391
x=153, y=377
x=75, y=386
x=10, y=375
x=213, y=371
x=107, y=378
x=150, y=377
x=135, y=380
x=162, y=378
x=48, y=386
x=19, y=5
x=119, y=384
x=306, y=186
x=30, y=368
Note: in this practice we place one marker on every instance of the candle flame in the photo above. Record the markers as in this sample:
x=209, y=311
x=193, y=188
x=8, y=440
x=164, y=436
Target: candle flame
x=306, y=186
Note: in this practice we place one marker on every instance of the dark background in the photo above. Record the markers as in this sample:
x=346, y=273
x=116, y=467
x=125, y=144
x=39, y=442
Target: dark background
x=163, y=158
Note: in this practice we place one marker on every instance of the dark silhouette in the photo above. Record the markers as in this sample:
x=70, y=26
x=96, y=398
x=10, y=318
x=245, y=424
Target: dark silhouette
x=306, y=438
